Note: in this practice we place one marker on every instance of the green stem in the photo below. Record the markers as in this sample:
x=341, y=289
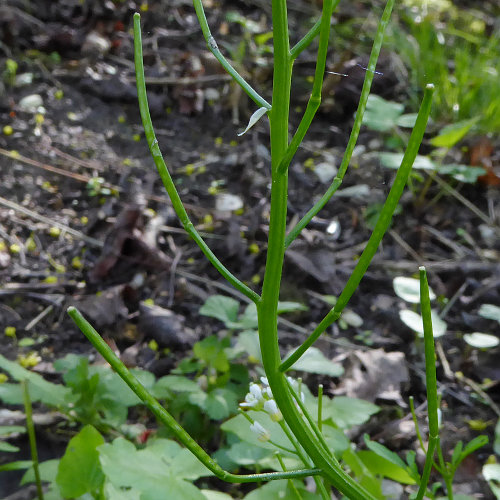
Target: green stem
x=381, y=227
x=319, y=484
x=431, y=382
x=290, y=482
x=267, y=308
x=315, y=99
x=164, y=416
x=165, y=174
x=32, y=438
x=365, y=92
x=212, y=46
x=320, y=407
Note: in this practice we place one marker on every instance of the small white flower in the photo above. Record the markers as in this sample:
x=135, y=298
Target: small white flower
x=264, y=381
x=254, y=399
x=262, y=433
x=256, y=391
x=251, y=402
x=272, y=409
x=269, y=392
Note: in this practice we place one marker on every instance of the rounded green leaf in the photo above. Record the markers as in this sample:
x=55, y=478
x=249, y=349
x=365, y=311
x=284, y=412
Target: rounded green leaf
x=481, y=340
x=414, y=321
x=409, y=289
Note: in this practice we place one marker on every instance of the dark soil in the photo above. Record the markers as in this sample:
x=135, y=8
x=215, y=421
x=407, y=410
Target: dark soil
x=120, y=243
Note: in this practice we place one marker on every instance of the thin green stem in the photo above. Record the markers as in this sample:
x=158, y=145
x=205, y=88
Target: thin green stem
x=165, y=174
x=28, y=410
x=365, y=92
x=320, y=407
x=315, y=99
x=431, y=382
x=312, y=423
x=308, y=38
x=164, y=416
x=213, y=47
x=430, y=356
x=290, y=482
x=381, y=227
x=415, y=422
x=319, y=484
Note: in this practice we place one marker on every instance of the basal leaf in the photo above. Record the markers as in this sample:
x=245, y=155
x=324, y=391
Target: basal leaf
x=347, y=412
x=379, y=465
x=79, y=471
x=384, y=452
x=314, y=361
x=221, y=307
x=40, y=390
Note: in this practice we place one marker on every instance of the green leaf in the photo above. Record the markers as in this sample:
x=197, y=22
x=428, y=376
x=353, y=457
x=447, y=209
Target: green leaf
x=111, y=492
x=7, y=447
x=246, y=454
x=7, y=430
x=211, y=351
x=47, y=469
x=414, y=321
x=489, y=311
x=18, y=465
x=347, y=412
x=453, y=133
x=379, y=465
x=409, y=289
x=221, y=307
x=161, y=467
x=281, y=490
x=40, y=390
x=481, y=340
x=240, y=426
x=215, y=495
x=462, y=173
x=314, y=361
x=384, y=452
x=393, y=160
x=249, y=319
x=457, y=451
x=335, y=438
x=79, y=471
x=287, y=307
x=381, y=115
x=256, y=116
x=174, y=383
x=247, y=343
x=218, y=403
x=407, y=121
x=472, y=446
x=11, y=394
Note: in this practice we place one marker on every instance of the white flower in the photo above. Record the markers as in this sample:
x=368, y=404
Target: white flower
x=256, y=391
x=251, y=402
x=262, y=433
x=264, y=380
x=269, y=393
x=272, y=409
x=254, y=399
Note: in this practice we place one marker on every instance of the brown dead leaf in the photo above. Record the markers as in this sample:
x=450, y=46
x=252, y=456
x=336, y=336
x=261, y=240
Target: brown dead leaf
x=374, y=375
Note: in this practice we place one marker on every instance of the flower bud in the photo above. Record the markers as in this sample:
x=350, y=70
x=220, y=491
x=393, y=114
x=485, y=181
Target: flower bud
x=262, y=433
x=273, y=411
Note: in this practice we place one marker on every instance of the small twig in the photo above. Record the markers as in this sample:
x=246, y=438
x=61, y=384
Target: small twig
x=407, y=248
x=184, y=80
x=51, y=222
x=38, y=318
